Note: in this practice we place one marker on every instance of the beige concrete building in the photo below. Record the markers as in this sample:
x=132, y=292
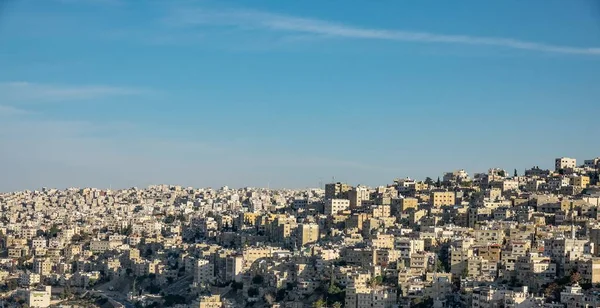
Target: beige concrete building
x=380, y=211
x=40, y=298
x=357, y=195
x=233, y=267
x=356, y=220
x=458, y=260
x=580, y=181
x=252, y=254
x=204, y=272
x=407, y=204
x=442, y=198
x=333, y=206
x=486, y=237
x=212, y=301
x=98, y=246
x=535, y=270
x=564, y=163
x=308, y=233
x=383, y=241
x=369, y=297
x=42, y=267
x=337, y=190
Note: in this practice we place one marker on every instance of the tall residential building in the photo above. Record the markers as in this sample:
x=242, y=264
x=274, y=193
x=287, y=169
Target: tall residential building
x=308, y=233
x=337, y=190
x=357, y=195
x=204, y=272
x=233, y=267
x=42, y=267
x=564, y=163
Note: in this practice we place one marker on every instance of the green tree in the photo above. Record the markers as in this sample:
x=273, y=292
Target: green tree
x=428, y=181
x=376, y=281
x=53, y=232
x=169, y=219
x=253, y=292
x=439, y=266
x=258, y=279
x=280, y=296
x=516, y=173
x=320, y=303
x=237, y=285
x=333, y=289
x=551, y=290
x=337, y=305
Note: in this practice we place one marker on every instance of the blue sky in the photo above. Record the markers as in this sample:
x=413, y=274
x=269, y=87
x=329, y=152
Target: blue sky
x=291, y=93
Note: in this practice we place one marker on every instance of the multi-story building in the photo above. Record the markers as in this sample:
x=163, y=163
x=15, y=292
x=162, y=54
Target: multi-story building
x=442, y=198
x=308, y=233
x=337, y=190
x=29, y=279
x=234, y=267
x=42, y=267
x=370, y=297
x=458, y=260
x=204, y=272
x=535, y=270
x=357, y=195
x=212, y=301
x=580, y=181
x=562, y=163
x=334, y=206
x=39, y=298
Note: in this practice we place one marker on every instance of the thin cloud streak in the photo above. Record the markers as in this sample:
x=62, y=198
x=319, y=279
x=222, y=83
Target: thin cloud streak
x=256, y=20
x=26, y=91
x=92, y=2
x=11, y=111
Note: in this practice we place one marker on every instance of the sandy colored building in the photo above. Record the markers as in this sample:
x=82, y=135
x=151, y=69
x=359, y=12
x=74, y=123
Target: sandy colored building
x=308, y=233
x=442, y=198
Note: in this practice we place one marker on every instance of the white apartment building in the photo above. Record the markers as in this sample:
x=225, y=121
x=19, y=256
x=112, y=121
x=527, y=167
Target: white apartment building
x=233, y=267
x=367, y=297
x=333, y=206
x=39, y=242
x=204, y=272
x=565, y=163
x=40, y=298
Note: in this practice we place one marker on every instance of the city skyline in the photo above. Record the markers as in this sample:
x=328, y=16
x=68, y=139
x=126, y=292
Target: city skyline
x=207, y=93
x=321, y=182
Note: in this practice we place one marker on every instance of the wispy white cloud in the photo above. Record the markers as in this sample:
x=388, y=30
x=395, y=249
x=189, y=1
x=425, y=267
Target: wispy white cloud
x=11, y=111
x=94, y=2
x=36, y=92
x=257, y=20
